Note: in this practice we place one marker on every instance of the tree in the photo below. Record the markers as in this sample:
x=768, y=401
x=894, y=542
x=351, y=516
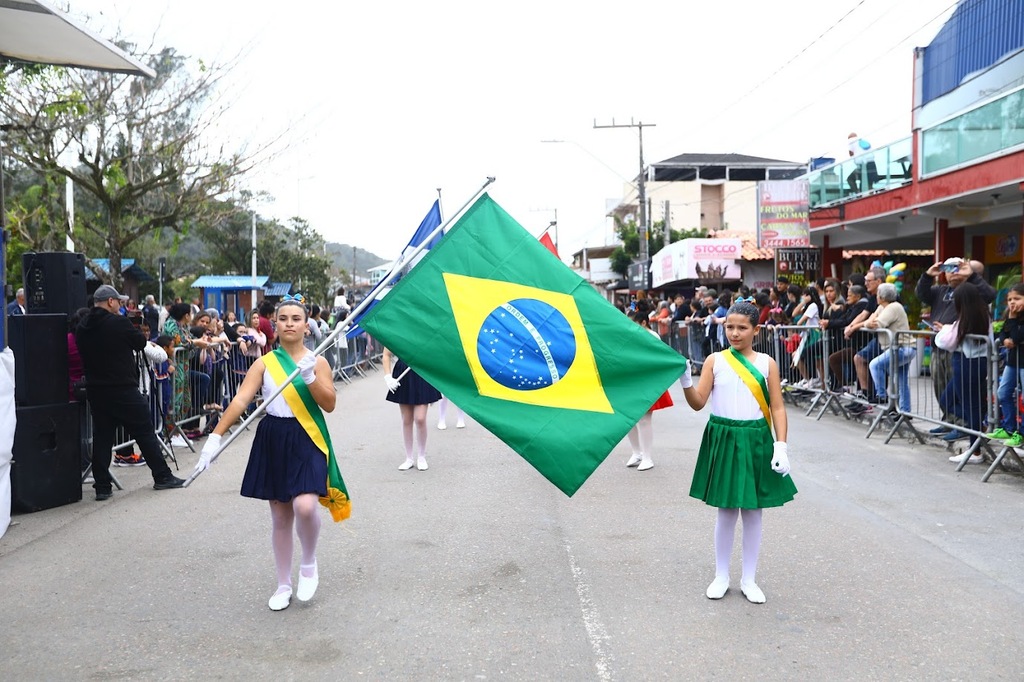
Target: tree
x=627, y=232
x=138, y=147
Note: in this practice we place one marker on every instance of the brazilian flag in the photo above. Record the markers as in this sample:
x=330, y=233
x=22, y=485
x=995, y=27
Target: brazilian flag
x=524, y=345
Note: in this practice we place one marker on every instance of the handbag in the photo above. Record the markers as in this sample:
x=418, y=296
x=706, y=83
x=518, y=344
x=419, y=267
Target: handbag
x=945, y=338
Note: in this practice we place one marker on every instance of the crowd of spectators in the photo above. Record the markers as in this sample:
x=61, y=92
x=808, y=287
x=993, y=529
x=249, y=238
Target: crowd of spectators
x=193, y=361
x=863, y=325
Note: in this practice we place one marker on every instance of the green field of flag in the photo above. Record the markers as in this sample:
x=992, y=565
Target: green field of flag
x=524, y=345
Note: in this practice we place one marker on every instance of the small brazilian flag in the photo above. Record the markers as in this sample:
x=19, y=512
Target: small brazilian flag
x=524, y=345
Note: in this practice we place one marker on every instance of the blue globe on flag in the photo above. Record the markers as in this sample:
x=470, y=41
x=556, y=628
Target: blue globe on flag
x=526, y=344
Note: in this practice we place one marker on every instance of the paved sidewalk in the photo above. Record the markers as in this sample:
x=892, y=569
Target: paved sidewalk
x=888, y=565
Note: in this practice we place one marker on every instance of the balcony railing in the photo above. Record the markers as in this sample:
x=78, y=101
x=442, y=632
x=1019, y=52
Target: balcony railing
x=991, y=129
x=868, y=173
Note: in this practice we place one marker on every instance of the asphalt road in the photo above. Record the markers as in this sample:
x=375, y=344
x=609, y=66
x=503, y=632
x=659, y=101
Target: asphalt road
x=889, y=565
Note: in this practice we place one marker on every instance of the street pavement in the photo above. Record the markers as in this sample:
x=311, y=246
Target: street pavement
x=888, y=565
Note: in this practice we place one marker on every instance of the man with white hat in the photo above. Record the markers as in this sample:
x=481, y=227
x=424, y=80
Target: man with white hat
x=107, y=342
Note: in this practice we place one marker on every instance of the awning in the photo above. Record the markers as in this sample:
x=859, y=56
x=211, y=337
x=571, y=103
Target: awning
x=32, y=31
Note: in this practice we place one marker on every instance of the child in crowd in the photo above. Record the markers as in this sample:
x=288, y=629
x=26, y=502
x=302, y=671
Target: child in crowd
x=163, y=373
x=737, y=470
x=1011, y=383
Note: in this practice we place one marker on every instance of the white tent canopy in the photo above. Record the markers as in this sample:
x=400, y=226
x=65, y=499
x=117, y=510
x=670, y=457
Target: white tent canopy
x=32, y=31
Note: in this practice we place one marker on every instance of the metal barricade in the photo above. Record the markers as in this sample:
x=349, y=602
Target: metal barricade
x=802, y=354
x=695, y=342
x=956, y=393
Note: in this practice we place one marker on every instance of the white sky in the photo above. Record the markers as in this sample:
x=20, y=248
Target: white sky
x=385, y=102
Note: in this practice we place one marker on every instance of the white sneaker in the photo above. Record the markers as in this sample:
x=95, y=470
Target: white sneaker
x=645, y=464
x=406, y=465
x=634, y=459
x=974, y=459
x=179, y=441
x=421, y=463
x=460, y=424
x=441, y=426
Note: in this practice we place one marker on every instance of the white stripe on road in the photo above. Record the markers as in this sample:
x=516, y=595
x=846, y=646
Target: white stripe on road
x=596, y=633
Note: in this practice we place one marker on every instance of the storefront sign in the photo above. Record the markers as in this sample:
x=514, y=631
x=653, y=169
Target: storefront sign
x=783, y=214
x=705, y=260
x=801, y=266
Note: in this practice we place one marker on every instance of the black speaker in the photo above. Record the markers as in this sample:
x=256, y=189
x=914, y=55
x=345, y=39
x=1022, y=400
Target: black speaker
x=54, y=281
x=40, y=346
x=46, y=470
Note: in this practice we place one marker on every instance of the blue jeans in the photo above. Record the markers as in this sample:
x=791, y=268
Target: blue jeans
x=879, y=367
x=965, y=393
x=1009, y=382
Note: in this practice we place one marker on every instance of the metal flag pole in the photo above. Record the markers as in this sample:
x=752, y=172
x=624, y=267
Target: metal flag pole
x=340, y=329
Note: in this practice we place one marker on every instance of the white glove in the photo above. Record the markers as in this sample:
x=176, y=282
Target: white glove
x=307, y=368
x=686, y=380
x=392, y=383
x=209, y=450
x=780, y=458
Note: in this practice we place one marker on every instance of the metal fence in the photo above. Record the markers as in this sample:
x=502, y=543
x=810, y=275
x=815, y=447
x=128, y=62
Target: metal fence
x=897, y=383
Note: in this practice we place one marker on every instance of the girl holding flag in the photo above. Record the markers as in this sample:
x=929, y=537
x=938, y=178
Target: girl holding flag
x=292, y=463
x=737, y=470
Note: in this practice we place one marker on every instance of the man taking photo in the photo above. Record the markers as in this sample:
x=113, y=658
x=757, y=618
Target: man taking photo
x=107, y=343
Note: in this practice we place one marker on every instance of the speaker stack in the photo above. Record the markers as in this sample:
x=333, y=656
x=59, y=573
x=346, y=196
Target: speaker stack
x=46, y=469
x=54, y=281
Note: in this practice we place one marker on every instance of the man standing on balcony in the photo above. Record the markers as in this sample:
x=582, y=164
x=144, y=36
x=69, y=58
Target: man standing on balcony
x=865, y=164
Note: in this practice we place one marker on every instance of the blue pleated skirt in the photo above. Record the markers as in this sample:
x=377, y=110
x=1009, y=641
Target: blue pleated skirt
x=734, y=467
x=414, y=389
x=283, y=462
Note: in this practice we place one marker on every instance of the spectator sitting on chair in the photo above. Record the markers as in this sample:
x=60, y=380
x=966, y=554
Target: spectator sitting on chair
x=874, y=277
x=840, y=359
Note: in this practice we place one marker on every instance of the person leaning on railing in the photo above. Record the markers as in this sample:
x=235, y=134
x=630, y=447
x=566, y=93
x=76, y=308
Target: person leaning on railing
x=939, y=297
x=964, y=395
x=1011, y=383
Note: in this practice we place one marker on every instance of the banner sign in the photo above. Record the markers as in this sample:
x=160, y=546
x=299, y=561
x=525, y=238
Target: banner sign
x=705, y=260
x=783, y=214
x=801, y=266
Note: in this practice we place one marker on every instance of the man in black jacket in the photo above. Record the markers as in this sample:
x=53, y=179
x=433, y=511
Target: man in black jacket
x=107, y=342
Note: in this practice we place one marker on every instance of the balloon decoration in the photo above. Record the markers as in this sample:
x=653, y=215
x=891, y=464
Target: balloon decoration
x=894, y=273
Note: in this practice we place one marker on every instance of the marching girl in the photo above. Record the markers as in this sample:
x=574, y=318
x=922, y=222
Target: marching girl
x=641, y=436
x=737, y=470
x=292, y=462
x=413, y=395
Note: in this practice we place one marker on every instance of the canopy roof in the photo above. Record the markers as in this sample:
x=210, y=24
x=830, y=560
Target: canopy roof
x=32, y=31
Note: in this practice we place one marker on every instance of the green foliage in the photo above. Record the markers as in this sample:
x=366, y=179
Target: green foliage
x=628, y=234
x=620, y=261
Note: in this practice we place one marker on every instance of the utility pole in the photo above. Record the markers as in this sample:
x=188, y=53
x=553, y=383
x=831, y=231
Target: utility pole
x=641, y=189
x=668, y=223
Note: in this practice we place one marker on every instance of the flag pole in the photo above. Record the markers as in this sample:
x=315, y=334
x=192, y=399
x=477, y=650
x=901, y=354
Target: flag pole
x=340, y=329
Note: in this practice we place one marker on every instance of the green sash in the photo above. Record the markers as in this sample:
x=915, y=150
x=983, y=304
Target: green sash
x=753, y=378
x=305, y=409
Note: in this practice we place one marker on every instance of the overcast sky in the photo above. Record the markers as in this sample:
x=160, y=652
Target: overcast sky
x=386, y=102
